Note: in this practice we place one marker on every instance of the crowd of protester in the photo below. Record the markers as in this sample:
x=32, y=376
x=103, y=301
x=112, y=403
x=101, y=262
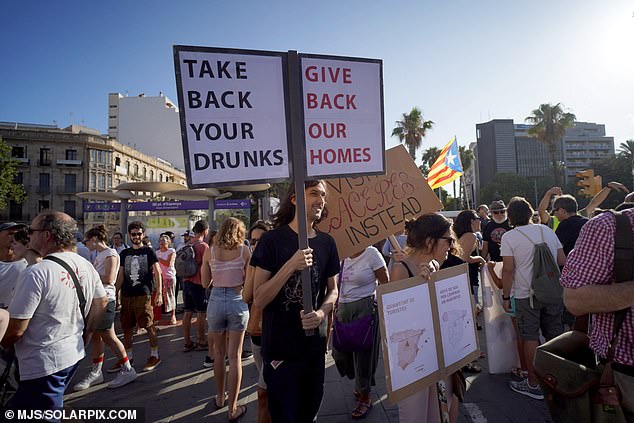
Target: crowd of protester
x=239, y=282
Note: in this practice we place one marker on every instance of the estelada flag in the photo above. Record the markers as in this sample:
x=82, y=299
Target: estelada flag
x=447, y=166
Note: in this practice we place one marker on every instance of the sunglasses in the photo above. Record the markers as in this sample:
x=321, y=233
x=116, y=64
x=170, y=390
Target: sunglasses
x=136, y=233
x=448, y=238
x=499, y=212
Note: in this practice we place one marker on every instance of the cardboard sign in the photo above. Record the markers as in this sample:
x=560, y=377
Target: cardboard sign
x=233, y=115
x=365, y=210
x=343, y=116
x=428, y=330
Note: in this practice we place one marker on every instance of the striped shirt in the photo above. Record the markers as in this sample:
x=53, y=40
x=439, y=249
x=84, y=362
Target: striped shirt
x=592, y=262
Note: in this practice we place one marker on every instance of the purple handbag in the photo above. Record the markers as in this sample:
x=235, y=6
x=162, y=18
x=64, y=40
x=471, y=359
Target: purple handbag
x=354, y=336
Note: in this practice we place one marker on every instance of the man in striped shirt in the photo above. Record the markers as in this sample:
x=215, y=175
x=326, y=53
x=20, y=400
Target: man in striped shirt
x=589, y=288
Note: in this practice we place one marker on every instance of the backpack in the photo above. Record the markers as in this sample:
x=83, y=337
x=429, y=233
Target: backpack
x=545, y=283
x=185, y=263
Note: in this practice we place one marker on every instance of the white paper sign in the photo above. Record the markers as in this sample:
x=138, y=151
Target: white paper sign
x=410, y=335
x=343, y=116
x=233, y=116
x=457, y=329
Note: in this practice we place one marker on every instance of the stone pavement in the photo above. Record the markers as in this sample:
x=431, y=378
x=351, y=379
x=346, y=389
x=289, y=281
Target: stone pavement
x=181, y=390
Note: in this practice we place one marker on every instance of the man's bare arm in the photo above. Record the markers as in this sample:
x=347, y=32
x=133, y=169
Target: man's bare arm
x=601, y=196
x=542, y=209
x=599, y=298
x=508, y=272
x=313, y=319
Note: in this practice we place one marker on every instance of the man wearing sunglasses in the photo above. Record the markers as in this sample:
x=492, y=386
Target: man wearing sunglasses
x=139, y=276
x=46, y=323
x=492, y=233
x=10, y=268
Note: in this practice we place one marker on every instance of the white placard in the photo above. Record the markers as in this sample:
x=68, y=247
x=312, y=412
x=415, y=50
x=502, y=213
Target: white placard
x=409, y=329
x=233, y=116
x=343, y=116
x=457, y=328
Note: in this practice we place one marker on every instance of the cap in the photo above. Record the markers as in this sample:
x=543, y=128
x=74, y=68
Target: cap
x=188, y=233
x=497, y=206
x=11, y=225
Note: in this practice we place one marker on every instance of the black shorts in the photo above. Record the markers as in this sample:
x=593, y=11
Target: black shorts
x=194, y=297
x=108, y=317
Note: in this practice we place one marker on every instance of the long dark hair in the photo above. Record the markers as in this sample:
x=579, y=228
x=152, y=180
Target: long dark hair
x=286, y=213
x=462, y=223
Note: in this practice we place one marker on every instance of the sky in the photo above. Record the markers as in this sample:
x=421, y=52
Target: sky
x=460, y=62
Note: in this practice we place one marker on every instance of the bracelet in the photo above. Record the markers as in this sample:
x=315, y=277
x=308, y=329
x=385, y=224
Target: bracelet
x=505, y=298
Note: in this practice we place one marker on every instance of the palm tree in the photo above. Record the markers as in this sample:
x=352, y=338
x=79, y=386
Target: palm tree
x=429, y=157
x=466, y=157
x=549, y=126
x=626, y=149
x=412, y=130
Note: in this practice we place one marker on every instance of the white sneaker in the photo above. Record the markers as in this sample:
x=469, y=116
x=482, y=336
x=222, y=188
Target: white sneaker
x=123, y=378
x=95, y=377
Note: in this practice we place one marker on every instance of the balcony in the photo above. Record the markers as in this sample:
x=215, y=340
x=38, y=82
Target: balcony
x=65, y=162
x=22, y=161
x=43, y=190
x=44, y=162
x=121, y=170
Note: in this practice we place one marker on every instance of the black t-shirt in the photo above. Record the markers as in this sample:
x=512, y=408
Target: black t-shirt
x=568, y=231
x=137, y=271
x=451, y=262
x=492, y=234
x=282, y=335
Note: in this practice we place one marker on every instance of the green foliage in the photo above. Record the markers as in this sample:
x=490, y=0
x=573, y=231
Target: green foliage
x=549, y=126
x=429, y=157
x=9, y=190
x=466, y=157
x=504, y=186
x=411, y=130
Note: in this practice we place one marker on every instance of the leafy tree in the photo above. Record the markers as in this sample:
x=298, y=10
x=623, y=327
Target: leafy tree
x=411, y=130
x=9, y=190
x=549, y=126
x=504, y=186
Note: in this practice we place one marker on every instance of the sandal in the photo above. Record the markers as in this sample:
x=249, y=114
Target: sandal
x=362, y=410
x=190, y=346
x=242, y=408
x=472, y=368
x=215, y=405
x=356, y=395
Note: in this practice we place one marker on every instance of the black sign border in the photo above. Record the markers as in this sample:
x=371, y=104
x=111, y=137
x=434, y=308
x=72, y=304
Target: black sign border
x=179, y=89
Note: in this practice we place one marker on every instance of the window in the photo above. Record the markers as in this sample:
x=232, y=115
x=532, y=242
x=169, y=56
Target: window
x=18, y=152
x=69, y=208
x=112, y=127
x=19, y=178
x=151, y=175
x=102, y=181
x=70, y=183
x=71, y=154
x=136, y=169
x=160, y=177
x=45, y=183
x=15, y=210
x=93, y=182
x=127, y=167
x=93, y=155
x=45, y=156
x=109, y=181
x=42, y=205
x=112, y=116
x=144, y=174
x=117, y=161
x=113, y=106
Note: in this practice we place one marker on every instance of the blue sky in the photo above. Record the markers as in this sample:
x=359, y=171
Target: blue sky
x=461, y=62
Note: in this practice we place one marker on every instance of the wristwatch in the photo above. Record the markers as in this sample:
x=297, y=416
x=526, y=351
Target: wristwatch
x=505, y=298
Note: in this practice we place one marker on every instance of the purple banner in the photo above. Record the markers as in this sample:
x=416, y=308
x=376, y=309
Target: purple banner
x=107, y=206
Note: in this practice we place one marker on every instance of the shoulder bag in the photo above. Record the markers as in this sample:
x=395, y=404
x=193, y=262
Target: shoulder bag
x=356, y=335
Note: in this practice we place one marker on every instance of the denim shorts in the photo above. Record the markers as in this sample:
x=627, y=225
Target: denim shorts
x=226, y=310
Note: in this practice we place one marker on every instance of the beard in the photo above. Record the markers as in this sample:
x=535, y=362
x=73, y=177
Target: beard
x=500, y=219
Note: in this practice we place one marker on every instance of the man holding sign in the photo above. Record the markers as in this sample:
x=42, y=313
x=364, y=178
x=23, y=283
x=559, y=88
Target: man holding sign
x=294, y=363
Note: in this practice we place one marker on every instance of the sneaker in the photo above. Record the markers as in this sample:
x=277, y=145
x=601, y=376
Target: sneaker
x=209, y=362
x=151, y=364
x=524, y=388
x=116, y=367
x=95, y=377
x=123, y=378
x=246, y=354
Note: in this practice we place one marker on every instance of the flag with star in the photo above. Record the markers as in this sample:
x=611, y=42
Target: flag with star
x=447, y=167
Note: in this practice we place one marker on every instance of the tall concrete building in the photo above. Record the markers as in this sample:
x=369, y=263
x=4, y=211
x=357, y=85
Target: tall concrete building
x=56, y=163
x=503, y=146
x=148, y=124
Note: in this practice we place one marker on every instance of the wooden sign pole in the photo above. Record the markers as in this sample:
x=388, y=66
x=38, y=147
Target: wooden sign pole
x=298, y=165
